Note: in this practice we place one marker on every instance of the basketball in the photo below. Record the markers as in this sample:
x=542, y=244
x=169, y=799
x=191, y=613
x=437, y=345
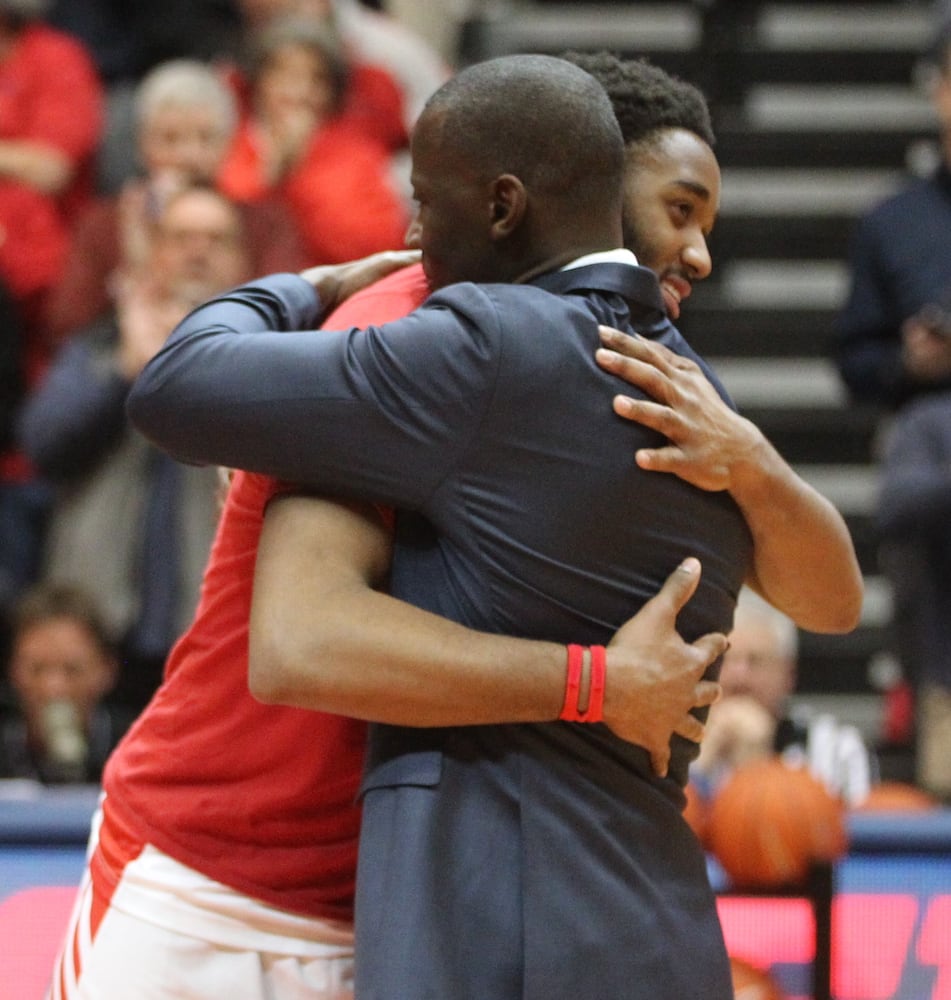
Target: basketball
x=896, y=796
x=769, y=823
x=750, y=983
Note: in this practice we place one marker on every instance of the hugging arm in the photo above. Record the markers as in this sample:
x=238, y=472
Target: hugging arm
x=804, y=561
x=372, y=656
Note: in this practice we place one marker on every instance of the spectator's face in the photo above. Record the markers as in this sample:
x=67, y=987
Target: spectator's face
x=59, y=660
x=453, y=210
x=754, y=666
x=295, y=80
x=199, y=247
x=186, y=144
x=671, y=199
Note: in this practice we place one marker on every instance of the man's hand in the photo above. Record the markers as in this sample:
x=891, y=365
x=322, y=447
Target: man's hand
x=655, y=677
x=145, y=316
x=336, y=282
x=925, y=352
x=707, y=440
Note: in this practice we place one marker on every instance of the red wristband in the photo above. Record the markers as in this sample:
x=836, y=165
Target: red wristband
x=569, y=710
x=599, y=664
x=597, y=672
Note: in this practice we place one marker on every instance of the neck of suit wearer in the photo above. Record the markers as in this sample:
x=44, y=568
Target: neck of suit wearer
x=558, y=235
x=557, y=262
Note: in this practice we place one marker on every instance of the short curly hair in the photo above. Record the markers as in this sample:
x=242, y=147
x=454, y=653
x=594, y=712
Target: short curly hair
x=646, y=98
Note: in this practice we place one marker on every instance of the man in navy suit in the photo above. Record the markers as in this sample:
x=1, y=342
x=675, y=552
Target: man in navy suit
x=546, y=857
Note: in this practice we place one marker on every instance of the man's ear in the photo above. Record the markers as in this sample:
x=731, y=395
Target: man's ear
x=509, y=201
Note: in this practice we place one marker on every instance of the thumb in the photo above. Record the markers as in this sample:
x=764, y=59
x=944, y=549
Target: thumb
x=681, y=585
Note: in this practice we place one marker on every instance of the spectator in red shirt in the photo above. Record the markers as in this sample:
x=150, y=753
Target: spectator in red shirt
x=394, y=70
x=297, y=143
x=51, y=105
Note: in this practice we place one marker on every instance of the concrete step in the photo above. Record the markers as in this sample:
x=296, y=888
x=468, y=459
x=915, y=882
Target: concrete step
x=503, y=28
x=779, y=284
x=782, y=383
x=804, y=192
x=852, y=488
x=840, y=106
x=865, y=27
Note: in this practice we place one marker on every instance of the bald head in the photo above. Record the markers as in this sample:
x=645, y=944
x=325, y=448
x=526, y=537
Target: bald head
x=538, y=117
x=531, y=145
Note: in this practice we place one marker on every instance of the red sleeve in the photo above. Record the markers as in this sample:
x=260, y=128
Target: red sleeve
x=274, y=237
x=66, y=108
x=375, y=106
x=390, y=298
x=33, y=247
x=240, y=175
x=344, y=199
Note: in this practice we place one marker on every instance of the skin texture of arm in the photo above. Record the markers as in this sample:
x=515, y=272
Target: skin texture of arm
x=804, y=560
x=371, y=656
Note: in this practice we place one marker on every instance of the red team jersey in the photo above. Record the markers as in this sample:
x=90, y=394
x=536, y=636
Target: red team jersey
x=259, y=797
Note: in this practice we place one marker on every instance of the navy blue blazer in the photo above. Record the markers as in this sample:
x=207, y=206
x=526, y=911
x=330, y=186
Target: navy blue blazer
x=522, y=861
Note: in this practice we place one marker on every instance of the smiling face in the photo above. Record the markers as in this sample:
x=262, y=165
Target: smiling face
x=671, y=199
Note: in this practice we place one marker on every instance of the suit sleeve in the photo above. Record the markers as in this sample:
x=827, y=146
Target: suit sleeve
x=867, y=342
x=381, y=413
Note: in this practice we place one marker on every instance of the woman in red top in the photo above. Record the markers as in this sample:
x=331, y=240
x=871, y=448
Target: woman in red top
x=298, y=144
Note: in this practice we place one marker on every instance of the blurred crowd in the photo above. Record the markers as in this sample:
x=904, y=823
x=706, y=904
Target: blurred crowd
x=151, y=156
x=893, y=352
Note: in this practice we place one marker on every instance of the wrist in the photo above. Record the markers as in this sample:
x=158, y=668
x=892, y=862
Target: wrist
x=325, y=282
x=753, y=467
